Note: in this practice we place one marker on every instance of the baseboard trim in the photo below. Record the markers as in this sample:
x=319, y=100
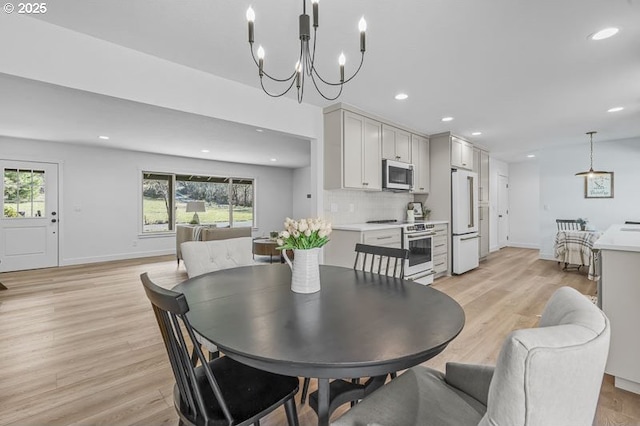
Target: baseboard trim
x=546, y=256
x=112, y=257
x=524, y=245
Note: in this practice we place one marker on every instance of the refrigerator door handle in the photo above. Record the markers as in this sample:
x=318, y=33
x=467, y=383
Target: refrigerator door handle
x=472, y=215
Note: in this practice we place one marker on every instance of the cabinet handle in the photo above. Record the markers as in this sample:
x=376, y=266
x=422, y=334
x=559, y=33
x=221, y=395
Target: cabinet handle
x=421, y=189
x=365, y=183
x=384, y=238
x=440, y=245
x=439, y=264
x=397, y=157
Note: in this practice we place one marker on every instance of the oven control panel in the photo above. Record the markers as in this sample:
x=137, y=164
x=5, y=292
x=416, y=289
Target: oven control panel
x=419, y=227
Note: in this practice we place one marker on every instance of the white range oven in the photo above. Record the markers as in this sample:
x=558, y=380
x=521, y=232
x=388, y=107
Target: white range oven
x=418, y=239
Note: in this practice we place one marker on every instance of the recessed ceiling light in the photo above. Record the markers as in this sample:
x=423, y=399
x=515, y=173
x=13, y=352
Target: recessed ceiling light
x=447, y=118
x=259, y=130
x=606, y=33
x=476, y=133
x=106, y=138
x=205, y=150
x=616, y=109
x=274, y=159
x=531, y=156
x=401, y=96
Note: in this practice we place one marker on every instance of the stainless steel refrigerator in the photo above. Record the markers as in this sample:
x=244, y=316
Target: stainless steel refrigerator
x=464, y=220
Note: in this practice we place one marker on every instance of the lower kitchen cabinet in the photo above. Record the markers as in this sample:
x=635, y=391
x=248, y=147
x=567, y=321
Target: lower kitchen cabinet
x=340, y=251
x=441, y=250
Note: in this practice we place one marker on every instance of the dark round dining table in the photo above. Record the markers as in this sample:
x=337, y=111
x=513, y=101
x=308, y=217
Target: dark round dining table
x=358, y=325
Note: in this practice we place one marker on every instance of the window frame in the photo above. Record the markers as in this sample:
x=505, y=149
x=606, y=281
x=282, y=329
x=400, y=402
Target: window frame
x=173, y=178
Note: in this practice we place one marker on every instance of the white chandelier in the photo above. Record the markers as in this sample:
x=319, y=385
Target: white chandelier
x=306, y=59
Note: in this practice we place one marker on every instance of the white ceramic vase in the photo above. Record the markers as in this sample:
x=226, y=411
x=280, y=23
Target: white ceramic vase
x=305, y=270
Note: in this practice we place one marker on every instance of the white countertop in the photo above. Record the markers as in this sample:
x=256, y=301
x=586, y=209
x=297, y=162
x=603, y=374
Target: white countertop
x=620, y=237
x=362, y=227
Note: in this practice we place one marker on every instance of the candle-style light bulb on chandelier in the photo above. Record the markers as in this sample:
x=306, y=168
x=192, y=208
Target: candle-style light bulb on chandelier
x=591, y=172
x=306, y=59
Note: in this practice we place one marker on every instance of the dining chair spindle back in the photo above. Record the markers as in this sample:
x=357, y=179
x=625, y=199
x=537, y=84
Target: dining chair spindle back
x=219, y=391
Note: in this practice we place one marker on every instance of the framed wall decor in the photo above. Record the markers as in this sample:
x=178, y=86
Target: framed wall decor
x=599, y=186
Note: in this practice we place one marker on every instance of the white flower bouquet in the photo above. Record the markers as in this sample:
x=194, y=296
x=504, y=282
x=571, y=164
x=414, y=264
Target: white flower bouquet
x=304, y=234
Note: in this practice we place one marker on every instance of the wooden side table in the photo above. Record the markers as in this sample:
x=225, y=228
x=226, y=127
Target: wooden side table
x=266, y=247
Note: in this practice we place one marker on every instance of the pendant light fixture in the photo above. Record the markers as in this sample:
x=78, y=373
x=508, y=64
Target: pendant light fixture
x=306, y=59
x=591, y=172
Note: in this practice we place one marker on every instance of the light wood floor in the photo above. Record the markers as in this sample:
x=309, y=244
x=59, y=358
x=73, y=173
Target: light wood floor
x=79, y=345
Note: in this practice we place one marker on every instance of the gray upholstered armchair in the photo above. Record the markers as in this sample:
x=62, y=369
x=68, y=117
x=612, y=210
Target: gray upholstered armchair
x=550, y=375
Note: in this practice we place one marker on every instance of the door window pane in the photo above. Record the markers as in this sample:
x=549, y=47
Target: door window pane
x=24, y=193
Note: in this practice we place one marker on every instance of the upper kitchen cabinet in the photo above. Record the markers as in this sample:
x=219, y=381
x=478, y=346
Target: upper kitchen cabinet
x=481, y=166
x=461, y=153
x=420, y=157
x=352, y=151
x=396, y=144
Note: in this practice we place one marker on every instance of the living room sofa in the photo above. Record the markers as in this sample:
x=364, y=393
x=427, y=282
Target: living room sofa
x=186, y=233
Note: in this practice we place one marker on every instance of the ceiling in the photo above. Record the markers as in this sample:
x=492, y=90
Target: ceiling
x=524, y=73
x=45, y=111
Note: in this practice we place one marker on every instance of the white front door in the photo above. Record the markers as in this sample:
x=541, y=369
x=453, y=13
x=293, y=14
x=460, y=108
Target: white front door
x=29, y=221
x=503, y=211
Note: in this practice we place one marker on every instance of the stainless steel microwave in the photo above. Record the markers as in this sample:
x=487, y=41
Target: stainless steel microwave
x=397, y=176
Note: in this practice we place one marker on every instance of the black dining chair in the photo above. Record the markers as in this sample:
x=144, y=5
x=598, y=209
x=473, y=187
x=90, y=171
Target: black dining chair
x=387, y=261
x=379, y=260
x=220, y=391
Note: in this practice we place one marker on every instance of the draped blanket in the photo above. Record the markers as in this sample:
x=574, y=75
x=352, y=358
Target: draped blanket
x=576, y=248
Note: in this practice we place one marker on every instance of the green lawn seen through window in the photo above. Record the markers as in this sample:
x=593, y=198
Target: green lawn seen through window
x=155, y=212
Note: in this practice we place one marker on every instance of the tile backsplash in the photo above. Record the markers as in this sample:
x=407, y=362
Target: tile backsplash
x=344, y=207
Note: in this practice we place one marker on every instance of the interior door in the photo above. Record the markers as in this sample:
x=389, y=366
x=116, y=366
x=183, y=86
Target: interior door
x=503, y=211
x=29, y=222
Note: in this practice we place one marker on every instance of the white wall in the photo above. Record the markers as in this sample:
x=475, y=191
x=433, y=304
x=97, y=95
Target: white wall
x=100, y=198
x=46, y=52
x=524, y=204
x=562, y=193
x=496, y=168
x=302, y=206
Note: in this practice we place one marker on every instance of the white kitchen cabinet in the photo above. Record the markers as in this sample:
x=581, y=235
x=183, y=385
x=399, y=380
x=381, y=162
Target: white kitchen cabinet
x=481, y=166
x=420, y=157
x=352, y=151
x=619, y=295
x=441, y=250
x=340, y=251
x=443, y=149
x=461, y=153
x=396, y=144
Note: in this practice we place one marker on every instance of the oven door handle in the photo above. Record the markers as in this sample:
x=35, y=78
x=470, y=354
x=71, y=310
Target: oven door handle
x=425, y=234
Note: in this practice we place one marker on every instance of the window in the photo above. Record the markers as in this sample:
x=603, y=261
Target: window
x=24, y=193
x=157, y=202
x=228, y=201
